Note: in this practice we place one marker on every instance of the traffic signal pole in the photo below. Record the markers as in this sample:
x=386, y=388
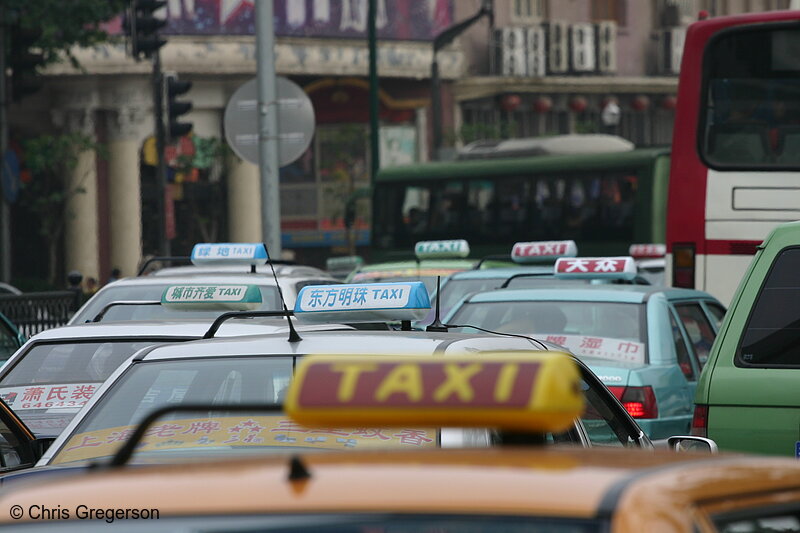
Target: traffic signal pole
x=268, y=129
x=161, y=165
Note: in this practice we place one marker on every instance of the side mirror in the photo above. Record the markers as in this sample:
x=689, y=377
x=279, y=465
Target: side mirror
x=685, y=443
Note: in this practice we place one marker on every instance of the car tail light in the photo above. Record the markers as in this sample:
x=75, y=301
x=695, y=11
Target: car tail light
x=640, y=402
x=683, y=265
x=700, y=421
x=617, y=391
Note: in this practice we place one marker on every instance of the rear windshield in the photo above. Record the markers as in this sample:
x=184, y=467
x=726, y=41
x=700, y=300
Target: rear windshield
x=48, y=385
x=269, y=298
x=772, y=334
x=607, y=330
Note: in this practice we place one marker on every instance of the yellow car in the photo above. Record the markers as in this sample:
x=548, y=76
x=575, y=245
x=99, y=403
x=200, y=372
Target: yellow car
x=531, y=487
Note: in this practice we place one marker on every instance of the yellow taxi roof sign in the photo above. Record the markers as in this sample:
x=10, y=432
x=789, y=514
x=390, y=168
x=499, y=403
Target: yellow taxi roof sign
x=527, y=392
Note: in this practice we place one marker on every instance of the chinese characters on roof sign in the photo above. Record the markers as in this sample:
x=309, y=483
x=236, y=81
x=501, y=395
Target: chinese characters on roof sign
x=642, y=251
x=596, y=267
x=529, y=252
x=209, y=434
x=441, y=249
x=370, y=302
x=229, y=254
x=236, y=297
x=535, y=391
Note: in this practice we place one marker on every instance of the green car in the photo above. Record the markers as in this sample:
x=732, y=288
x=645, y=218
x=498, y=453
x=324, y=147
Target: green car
x=748, y=396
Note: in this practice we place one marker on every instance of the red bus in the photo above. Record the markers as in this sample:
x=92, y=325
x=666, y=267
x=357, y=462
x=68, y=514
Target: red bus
x=736, y=147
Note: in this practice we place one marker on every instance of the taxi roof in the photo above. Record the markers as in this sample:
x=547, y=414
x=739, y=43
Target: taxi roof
x=183, y=328
x=289, y=271
x=350, y=342
x=503, y=272
x=588, y=293
x=424, y=263
x=548, y=481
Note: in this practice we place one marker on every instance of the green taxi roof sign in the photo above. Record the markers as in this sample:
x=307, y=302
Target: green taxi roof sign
x=441, y=249
x=206, y=296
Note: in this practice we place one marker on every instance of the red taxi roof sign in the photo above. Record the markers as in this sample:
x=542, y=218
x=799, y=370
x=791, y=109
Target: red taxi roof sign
x=647, y=251
x=535, y=391
x=596, y=267
x=534, y=252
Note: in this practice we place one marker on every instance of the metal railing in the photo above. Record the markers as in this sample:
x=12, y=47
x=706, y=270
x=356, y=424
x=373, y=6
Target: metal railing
x=33, y=312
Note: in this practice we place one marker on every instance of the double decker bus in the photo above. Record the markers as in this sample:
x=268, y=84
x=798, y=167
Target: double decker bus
x=594, y=189
x=736, y=146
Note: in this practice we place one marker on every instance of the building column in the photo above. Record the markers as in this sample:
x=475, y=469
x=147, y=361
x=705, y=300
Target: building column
x=244, y=201
x=82, y=248
x=125, y=133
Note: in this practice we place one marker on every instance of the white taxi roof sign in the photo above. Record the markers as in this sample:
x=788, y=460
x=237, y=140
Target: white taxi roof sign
x=455, y=248
x=533, y=391
x=229, y=253
x=538, y=251
x=363, y=302
x=647, y=251
x=212, y=296
x=622, y=267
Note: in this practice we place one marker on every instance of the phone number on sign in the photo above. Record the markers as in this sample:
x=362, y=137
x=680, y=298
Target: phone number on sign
x=48, y=405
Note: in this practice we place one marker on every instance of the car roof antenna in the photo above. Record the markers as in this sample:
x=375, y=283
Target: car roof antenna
x=437, y=325
x=293, y=336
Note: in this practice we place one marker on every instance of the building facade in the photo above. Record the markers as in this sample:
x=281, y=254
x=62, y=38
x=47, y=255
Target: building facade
x=538, y=67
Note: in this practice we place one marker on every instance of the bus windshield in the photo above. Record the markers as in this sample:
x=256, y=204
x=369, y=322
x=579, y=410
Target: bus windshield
x=602, y=201
x=753, y=99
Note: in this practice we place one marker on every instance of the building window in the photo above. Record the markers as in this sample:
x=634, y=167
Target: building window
x=527, y=10
x=615, y=10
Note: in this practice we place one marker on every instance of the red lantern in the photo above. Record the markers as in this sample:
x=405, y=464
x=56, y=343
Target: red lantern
x=543, y=104
x=578, y=104
x=669, y=102
x=640, y=103
x=608, y=100
x=510, y=102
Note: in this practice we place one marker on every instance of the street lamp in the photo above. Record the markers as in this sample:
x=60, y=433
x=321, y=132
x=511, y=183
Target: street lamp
x=444, y=38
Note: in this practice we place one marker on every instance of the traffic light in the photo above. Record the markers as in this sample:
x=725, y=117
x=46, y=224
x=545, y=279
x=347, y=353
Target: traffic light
x=23, y=59
x=176, y=108
x=142, y=27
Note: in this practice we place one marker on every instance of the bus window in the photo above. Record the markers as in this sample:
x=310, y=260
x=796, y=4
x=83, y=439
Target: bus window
x=752, y=89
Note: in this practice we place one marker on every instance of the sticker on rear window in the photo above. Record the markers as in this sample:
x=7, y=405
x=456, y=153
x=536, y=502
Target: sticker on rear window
x=51, y=396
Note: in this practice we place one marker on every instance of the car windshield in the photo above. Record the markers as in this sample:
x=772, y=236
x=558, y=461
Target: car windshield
x=119, y=292
x=606, y=330
x=50, y=382
x=261, y=381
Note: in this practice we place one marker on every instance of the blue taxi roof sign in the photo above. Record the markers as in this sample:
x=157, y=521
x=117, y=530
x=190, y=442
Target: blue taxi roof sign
x=207, y=296
x=229, y=253
x=363, y=302
x=622, y=267
x=542, y=251
x=455, y=248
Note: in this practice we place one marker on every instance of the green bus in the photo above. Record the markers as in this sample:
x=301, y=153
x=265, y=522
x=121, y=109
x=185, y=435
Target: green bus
x=604, y=201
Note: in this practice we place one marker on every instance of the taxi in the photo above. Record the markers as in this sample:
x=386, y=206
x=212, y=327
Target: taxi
x=434, y=259
x=532, y=266
x=215, y=265
x=648, y=344
x=747, y=395
x=650, y=261
x=57, y=371
x=524, y=487
x=257, y=370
